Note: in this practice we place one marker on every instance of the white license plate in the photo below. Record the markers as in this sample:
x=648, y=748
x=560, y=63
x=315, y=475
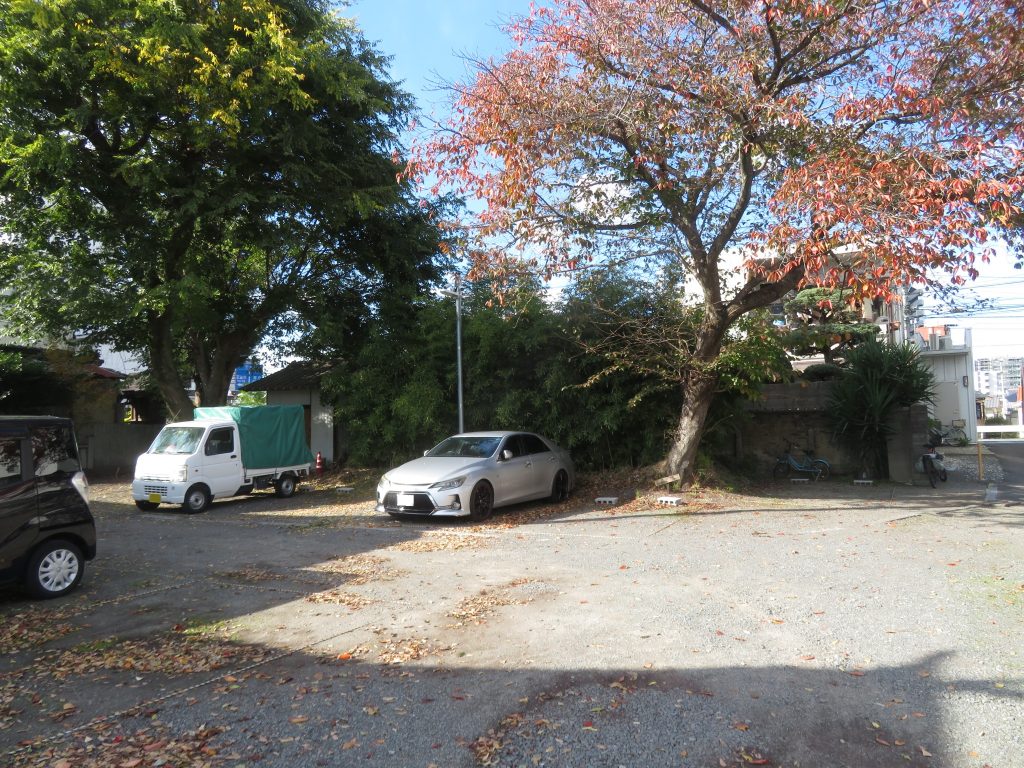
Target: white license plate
x=154, y=498
x=406, y=500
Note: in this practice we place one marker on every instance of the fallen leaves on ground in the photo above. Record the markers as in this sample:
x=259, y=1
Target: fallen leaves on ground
x=250, y=574
x=106, y=746
x=395, y=650
x=486, y=749
x=477, y=609
x=340, y=597
x=360, y=569
x=33, y=627
x=437, y=541
x=169, y=654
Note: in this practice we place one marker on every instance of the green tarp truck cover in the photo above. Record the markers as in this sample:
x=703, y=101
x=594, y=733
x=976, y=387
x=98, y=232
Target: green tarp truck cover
x=271, y=435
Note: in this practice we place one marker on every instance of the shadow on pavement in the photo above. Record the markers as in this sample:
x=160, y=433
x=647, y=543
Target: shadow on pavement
x=313, y=633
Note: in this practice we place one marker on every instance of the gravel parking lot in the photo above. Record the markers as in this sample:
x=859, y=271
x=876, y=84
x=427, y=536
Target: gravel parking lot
x=799, y=625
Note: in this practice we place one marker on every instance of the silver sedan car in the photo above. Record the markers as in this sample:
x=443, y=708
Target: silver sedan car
x=471, y=474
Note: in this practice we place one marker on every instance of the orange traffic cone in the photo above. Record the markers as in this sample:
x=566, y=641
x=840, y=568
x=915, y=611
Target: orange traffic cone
x=319, y=463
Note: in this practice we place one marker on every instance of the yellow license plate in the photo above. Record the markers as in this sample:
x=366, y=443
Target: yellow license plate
x=155, y=498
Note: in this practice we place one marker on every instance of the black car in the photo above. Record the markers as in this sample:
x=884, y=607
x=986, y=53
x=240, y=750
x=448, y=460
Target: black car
x=47, y=531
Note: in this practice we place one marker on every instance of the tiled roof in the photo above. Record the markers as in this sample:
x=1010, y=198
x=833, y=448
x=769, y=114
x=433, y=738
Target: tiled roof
x=298, y=375
x=104, y=373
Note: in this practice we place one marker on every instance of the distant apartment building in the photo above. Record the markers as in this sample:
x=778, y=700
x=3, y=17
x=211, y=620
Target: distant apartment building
x=999, y=379
x=998, y=374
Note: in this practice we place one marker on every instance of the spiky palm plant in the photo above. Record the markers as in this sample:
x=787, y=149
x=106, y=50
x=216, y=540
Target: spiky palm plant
x=879, y=379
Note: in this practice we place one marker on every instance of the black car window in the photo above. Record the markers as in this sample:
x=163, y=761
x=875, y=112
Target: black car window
x=10, y=461
x=220, y=441
x=53, y=450
x=534, y=444
x=515, y=444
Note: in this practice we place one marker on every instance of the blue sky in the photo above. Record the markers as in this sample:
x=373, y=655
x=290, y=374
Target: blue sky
x=426, y=39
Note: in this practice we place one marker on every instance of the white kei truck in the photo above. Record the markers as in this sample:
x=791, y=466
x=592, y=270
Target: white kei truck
x=223, y=451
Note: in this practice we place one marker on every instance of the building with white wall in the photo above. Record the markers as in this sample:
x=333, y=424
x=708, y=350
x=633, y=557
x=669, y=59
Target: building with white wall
x=947, y=351
x=299, y=384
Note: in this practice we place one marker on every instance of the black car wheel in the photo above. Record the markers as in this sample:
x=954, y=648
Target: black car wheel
x=560, y=487
x=55, y=569
x=197, y=499
x=285, y=486
x=481, y=501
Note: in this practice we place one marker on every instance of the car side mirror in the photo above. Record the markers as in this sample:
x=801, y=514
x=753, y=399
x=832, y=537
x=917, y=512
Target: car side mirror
x=506, y=455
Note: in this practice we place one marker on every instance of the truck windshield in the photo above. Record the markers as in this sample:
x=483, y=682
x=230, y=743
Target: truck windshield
x=177, y=440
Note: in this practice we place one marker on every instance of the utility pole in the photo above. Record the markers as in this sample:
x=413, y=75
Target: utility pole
x=457, y=295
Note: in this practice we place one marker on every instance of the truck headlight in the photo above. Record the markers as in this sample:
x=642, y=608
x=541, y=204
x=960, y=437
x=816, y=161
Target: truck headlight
x=182, y=475
x=447, y=485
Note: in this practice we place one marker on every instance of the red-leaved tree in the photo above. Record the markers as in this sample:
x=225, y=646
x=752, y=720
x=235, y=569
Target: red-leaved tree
x=853, y=144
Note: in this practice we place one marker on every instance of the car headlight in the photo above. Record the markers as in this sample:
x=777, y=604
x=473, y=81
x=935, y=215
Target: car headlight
x=447, y=485
x=182, y=475
x=384, y=483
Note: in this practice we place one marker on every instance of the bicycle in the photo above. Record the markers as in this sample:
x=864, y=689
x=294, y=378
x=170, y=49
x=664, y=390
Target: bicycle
x=932, y=466
x=818, y=468
x=943, y=434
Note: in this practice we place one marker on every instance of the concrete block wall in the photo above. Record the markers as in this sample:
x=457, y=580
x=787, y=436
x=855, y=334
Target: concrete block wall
x=766, y=435
x=111, y=449
x=907, y=443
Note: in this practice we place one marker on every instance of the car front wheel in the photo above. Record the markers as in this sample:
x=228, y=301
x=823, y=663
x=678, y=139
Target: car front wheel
x=481, y=501
x=55, y=569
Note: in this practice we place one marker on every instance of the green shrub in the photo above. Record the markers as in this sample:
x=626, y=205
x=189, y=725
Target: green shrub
x=879, y=379
x=821, y=372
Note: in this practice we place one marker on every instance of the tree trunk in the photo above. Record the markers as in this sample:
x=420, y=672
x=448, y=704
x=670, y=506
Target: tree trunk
x=217, y=382
x=165, y=371
x=215, y=363
x=698, y=392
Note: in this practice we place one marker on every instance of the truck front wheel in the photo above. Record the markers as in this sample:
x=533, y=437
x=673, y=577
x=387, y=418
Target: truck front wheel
x=285, y=486
x=197, y=499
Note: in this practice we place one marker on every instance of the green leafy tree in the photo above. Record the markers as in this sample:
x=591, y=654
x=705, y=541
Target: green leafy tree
x=878, y=379
x=395, y=388
x=644, y=335
x=176, y=178
x=566, y=369
x=29, y=385
x=822, y=321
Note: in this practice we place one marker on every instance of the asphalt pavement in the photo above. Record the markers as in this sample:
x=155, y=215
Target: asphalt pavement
x=1010, y=454
x=796, y=624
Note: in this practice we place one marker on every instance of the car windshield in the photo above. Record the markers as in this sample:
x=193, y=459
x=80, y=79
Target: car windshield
x=472, y=447
x=177, y=440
